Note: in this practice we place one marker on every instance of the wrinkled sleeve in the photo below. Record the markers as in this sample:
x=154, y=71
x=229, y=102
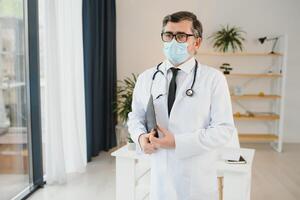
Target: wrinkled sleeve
x=136, y=118
x=221, y=126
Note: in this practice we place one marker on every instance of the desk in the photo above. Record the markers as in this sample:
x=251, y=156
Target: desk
x=132, y=176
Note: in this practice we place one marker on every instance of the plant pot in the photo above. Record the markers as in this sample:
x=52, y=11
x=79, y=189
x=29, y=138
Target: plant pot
x=131, y=146
x=122, y=134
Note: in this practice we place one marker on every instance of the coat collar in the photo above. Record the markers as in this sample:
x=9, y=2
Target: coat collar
x=186, y=67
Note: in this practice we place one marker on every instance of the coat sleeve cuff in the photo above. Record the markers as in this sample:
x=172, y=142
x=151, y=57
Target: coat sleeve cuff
x=135, y=137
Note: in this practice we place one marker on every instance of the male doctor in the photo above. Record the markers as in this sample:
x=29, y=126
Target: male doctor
x=191, y=127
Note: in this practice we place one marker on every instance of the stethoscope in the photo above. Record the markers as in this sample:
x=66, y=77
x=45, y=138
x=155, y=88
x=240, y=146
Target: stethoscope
x=189, y=92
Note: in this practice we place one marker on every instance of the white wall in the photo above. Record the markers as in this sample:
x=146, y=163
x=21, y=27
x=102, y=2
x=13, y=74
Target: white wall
x=139, y=46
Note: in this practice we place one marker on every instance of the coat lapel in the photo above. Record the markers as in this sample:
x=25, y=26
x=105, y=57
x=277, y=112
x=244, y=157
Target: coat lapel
x=181, y=92
x=186, y=85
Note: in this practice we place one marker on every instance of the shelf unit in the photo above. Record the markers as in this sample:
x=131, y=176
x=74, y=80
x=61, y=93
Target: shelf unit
x=255, y=97
x=277, y=79
x=254, y=137
x=212, y=53
x=270, y=117
x=254, y=75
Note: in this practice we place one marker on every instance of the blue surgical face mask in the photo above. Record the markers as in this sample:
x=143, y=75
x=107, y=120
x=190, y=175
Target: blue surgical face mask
x=176, y=52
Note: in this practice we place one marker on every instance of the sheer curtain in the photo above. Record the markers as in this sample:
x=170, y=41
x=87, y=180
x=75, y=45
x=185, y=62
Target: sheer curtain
x=64, y=106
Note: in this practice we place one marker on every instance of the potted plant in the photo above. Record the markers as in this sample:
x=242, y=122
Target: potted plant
x=130, y=143
x=226, y=68
x=123, y=104
x=228, y=38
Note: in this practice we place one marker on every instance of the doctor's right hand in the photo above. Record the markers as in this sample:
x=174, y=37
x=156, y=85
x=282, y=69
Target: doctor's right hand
x=145, y=144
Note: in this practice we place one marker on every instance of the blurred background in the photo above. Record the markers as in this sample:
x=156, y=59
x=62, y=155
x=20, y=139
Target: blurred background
x=68, y=68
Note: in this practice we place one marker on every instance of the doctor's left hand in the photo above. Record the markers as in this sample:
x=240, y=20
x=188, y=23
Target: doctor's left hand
x=166, y=142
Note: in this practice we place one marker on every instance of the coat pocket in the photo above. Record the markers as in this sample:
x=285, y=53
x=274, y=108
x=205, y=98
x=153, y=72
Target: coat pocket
x=202, y=174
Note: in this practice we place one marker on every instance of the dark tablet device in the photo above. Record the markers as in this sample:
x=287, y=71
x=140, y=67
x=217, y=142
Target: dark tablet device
x=150, y=117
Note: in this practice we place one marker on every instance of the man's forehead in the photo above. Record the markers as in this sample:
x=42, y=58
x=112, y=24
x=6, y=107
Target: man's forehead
x=182, y=26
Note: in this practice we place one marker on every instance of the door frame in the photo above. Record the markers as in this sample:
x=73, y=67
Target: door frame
x=32, y=62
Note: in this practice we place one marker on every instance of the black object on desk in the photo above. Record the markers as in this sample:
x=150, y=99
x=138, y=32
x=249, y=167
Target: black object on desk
x=240, y=161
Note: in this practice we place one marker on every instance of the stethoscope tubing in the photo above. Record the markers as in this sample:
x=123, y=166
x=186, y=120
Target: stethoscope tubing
x=189, y=91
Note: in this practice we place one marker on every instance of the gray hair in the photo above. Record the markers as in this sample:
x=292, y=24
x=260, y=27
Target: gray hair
x=184, y=15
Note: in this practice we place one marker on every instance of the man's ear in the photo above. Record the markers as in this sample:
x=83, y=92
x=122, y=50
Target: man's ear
x=198, y=42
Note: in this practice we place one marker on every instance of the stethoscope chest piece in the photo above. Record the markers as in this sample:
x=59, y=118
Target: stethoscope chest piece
x=189, y=92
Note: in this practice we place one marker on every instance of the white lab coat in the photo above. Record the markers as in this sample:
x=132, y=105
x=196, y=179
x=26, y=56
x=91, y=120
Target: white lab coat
x=201, y=124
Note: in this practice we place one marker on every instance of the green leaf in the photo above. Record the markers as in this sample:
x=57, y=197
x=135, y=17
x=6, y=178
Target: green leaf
x=228, y=37
x=122, y=107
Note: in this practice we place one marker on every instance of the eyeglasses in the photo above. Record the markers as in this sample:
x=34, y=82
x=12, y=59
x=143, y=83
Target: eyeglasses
x=179, y=37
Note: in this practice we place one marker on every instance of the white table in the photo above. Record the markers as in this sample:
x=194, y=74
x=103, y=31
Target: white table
x=132, y=176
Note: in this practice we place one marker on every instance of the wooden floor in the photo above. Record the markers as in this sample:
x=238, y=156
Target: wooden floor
x=276, y=176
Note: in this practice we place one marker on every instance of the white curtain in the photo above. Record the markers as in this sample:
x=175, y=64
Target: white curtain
x=65, y=129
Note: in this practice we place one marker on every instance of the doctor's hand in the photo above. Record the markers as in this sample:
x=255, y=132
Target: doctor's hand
x=166, y=142
x=144, y=141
